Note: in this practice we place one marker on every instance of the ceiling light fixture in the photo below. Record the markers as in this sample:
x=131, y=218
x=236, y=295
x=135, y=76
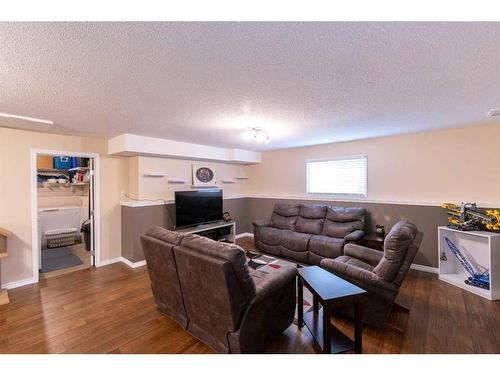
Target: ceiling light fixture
x=258, y=135
x=25, y=118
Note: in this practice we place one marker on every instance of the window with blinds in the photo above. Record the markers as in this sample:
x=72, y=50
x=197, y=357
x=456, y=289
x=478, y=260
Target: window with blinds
x=346, y=177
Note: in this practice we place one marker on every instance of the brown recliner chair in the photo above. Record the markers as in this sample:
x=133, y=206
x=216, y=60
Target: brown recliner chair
x=207, y=288
x=379, y=273
x=158, y=245
x=227, y=309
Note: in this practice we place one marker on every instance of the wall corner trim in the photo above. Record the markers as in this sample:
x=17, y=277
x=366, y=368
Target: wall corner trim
x=107, y=262
x=19, y=283
x=123, y=260
x=244, y=234
x=133, y=264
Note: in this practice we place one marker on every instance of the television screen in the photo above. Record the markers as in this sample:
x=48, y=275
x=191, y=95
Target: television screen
x=197, y=207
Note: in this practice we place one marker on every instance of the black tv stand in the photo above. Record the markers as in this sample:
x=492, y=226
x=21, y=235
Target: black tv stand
x=223, y=231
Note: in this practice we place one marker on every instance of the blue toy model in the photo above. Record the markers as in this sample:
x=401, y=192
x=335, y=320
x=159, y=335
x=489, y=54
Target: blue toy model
x=480, y=280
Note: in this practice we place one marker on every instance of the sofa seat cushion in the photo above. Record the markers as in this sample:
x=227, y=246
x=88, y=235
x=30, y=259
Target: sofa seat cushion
x=295, y=241
x=285, y=215
x=270, y=236
x=327, y=247
x=354, y=262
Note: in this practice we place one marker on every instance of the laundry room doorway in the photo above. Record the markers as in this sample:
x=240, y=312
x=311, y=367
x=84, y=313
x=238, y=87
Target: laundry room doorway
x=65, y=212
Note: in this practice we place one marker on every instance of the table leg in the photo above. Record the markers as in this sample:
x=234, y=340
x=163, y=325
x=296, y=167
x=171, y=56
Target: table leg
x=300, y=303
x=315, y=304
x=358, y=327
x=327, y=324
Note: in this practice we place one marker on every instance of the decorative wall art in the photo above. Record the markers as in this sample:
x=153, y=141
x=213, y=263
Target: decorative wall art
x=203, y=176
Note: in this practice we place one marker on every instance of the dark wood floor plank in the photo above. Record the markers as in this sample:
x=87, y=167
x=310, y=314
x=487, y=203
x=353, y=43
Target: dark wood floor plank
x=111, y=310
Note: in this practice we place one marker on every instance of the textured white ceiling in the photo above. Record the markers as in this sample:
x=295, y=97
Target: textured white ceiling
x=306, y=83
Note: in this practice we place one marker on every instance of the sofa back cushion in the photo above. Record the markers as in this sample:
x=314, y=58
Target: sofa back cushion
x=396, y=245
x=158, y=244
x=311, y=218
x=216, y=285
x=340, y=221
x=285, y=215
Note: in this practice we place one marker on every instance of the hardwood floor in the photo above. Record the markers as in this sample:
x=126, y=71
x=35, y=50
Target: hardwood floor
x=111, y=310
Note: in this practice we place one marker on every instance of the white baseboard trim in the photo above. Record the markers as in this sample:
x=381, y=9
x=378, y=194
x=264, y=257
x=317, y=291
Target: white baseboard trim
x=109, y=261
x=245, y=234
x=133, y=264
x=419, y=267
x=124, y=261
x=18, y=283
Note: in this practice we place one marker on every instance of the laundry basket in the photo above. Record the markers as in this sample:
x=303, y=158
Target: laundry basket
x=61, y=237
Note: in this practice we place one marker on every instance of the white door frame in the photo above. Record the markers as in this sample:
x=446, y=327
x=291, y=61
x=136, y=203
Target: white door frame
x=34, y=204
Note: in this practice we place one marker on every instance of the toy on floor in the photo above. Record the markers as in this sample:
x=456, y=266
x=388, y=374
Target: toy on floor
x=467, y=217
x=480, y=280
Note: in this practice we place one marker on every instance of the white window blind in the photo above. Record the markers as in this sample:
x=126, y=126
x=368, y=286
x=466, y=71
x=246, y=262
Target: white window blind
x=343, y=176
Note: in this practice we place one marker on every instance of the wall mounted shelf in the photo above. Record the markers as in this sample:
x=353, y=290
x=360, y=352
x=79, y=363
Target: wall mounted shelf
x=228, y=181
x=241, y=177
x=177, y=180
x=155, y=174
x=84, y=169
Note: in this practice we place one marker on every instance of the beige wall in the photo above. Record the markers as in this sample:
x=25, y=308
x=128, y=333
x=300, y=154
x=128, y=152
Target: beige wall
x=141, y=187
x=15, y=190
x=447, y=165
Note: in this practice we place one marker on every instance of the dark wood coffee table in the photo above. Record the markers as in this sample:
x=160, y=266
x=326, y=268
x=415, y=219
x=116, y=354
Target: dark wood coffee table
x=326, y=288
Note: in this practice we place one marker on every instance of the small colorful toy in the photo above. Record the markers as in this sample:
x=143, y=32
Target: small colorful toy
x=478, y=279
x=467, y=217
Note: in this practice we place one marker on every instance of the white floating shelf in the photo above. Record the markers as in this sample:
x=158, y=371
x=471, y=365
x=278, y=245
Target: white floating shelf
x=241, y=177
x=79, y=169
x=228, y=181
x=177, y=180
x=155, y=174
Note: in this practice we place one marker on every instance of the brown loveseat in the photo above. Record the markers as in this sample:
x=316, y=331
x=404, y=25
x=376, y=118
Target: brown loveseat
x=308, y=233
x=379, y=273
x=208, y=289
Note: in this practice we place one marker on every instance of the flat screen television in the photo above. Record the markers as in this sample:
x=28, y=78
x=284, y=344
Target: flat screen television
x=197, y=207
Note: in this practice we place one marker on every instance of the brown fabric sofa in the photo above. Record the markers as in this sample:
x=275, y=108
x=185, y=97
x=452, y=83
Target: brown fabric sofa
x=379, y=273
x=229, y=307
x=308, y=233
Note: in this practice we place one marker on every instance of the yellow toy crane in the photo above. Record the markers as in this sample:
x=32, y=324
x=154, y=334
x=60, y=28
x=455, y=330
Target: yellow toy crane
x=466, y=217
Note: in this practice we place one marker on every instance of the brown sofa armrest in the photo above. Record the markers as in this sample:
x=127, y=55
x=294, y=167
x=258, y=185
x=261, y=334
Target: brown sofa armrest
x=359, y=276
x=262, y=223
x=272, y=282
x=367, y=255
x=354, y=236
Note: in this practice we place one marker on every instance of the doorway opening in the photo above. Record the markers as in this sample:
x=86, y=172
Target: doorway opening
x=64, y=212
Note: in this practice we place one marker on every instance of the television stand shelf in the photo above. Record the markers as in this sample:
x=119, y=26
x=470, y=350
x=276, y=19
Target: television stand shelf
x=224, y=231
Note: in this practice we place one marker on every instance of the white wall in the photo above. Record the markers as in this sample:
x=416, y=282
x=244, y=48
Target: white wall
x=432, y=167
x=15, y=191
x=142, y=187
